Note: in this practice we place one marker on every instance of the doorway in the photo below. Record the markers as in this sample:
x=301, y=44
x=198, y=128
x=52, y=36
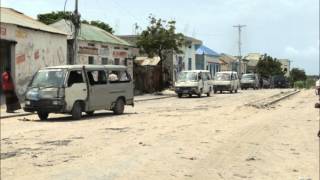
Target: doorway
x=6, y=57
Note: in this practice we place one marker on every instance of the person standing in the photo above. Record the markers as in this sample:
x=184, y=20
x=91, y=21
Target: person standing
x=12, y=101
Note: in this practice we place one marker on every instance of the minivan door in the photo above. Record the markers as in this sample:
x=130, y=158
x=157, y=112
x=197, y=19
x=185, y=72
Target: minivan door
x=98, y=94
x=205, y=82
x=76, y=88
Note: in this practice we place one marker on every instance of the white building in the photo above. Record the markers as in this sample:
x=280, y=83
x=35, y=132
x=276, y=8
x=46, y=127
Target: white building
x=285, y=65
x=26, y=45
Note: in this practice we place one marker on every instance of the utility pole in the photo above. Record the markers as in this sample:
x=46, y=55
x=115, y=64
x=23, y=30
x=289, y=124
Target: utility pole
x=76, y=23
x=239, y=45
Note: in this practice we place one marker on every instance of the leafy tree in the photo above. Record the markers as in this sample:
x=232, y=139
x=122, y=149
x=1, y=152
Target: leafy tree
x=297, y=75
x=103, y=26
x=268, y=66
x=160, y=39
x=49, y=18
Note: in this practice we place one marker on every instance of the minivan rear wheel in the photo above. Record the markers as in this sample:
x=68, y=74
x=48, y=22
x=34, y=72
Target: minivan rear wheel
x=76, y=111
x=43, y=115
x=118, y=107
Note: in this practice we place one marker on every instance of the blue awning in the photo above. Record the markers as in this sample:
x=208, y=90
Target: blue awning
x=205, y=50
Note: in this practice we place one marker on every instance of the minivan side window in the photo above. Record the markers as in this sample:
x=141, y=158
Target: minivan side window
x=75, y=77
x=97, y=77
x=118, y=77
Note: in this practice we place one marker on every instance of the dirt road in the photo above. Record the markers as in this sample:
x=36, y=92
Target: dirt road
x=189, y=138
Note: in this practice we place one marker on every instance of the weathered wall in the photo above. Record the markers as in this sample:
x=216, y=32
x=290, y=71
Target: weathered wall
x=103, y=50
x=34, y=50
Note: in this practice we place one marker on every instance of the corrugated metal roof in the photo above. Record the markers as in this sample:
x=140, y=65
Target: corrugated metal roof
x=145, y=61
x=11, y=16
x=90, y=33
x=207, y=51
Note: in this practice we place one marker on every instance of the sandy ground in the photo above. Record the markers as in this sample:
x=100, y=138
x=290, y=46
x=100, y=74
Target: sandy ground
x=188, y=138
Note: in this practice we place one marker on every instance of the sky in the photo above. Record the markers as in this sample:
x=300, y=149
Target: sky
x=284, y=29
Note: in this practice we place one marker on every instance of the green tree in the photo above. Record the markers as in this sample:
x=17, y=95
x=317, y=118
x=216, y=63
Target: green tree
x=103, y=26
x=297, y=74
x=268, y=66
x=160, y=39
x=49, y=18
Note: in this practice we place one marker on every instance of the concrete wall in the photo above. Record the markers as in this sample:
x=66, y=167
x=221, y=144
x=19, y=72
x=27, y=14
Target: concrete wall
x=34, y=50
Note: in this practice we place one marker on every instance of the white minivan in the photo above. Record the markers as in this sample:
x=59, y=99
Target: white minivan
x=193, y=82
x=226, y=81
x=75, y=89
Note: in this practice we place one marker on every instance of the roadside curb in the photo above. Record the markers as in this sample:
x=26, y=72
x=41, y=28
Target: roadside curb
x=150, y=99
x=15, y=115
x=281, y=98
x=266, y=102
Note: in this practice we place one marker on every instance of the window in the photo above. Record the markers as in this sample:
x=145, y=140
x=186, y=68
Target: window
x=119, y=77
x=189, y=63
x=97, y=77
x=104, y=60
x=204, y=76
x=116, y=48
x=75, y=77
x=90, y=60
x=91, y=44
x=116, y=61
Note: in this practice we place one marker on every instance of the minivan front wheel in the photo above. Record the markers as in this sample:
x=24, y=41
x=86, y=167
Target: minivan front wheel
x=43, y=115
x=76, y=111
x=118, y=107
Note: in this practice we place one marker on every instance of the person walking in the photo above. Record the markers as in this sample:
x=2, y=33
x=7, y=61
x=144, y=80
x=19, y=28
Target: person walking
x=12, y=101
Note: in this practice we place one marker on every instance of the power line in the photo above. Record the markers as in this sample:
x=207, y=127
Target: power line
x=239, y=27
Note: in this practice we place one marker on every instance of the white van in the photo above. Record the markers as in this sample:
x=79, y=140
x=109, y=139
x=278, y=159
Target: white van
x=226, y=81
x=79, y=88
x=193, y=82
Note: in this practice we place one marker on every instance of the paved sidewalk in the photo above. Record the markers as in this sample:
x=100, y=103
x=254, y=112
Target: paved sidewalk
x=140, y=98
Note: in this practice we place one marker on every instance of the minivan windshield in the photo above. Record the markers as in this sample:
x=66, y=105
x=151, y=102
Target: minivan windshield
x=188, y=76
x=248, y=76
x=48, y=78
x=223, y=77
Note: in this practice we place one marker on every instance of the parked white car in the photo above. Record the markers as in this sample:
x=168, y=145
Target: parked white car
x=79, y=88
x=193, y=82
x=226, y=81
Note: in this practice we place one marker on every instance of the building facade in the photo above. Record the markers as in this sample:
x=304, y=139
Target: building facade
x=207, y=59
x=174, y=62
x=285, y=65
x=96, y=46
x=27, y=45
